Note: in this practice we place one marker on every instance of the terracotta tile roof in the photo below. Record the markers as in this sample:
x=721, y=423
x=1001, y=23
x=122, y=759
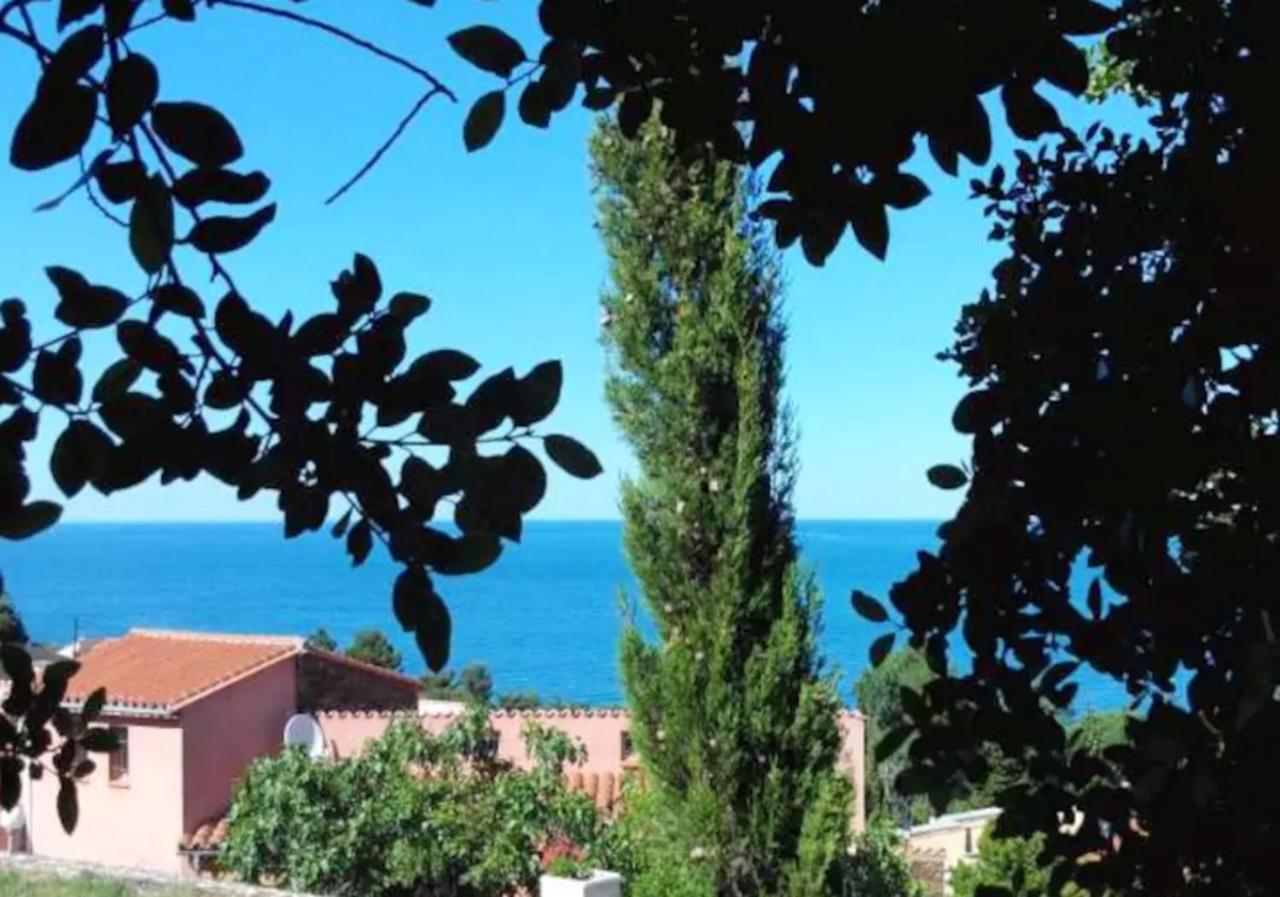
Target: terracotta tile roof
x=161, y=670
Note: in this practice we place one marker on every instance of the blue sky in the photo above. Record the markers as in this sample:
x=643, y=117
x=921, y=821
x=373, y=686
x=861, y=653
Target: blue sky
x=503, y=241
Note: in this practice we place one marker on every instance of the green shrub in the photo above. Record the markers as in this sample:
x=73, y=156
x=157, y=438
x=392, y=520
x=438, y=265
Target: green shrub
x=414, y=813
x=878, y=867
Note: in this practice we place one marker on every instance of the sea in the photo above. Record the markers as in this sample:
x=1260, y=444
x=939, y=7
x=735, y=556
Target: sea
x=545, y=618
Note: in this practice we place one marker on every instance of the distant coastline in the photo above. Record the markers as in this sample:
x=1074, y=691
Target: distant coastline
x=545, y=618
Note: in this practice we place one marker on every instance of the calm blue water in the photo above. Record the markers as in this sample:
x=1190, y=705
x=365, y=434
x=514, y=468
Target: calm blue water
x=546, y=617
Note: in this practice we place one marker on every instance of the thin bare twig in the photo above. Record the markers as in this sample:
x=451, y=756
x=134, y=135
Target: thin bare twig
x=343, y=34
x=146, y=23
x=382, y=150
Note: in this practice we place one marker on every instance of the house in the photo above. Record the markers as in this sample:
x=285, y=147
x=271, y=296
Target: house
x=191, y=711
x=947, y=841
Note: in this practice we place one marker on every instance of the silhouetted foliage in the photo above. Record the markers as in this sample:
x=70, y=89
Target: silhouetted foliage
x=879, y=693
x=327, y=414
x=12, y=630
x=805, y=85
x=1126, y=393
x=39, y=735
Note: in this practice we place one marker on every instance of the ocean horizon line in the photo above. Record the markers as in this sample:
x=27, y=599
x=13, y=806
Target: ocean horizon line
x=258, y=521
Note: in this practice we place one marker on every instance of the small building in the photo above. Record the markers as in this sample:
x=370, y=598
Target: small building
x=948, y=840
x=191, y=711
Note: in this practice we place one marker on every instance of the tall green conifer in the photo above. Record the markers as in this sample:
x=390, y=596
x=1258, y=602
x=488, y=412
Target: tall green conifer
x=733, y=718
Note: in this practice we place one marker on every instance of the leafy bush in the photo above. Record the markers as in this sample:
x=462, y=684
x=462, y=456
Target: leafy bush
x=414, y=813
x=878, y=867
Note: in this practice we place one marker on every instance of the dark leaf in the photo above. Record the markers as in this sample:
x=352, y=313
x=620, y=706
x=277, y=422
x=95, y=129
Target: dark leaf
x=1030, y=115
x=54, y=128
x=83, y=305
x=340, y=526
x=537, y=394
x=80, y=456
x=871, y=226
x=68, y=805
x=448, y=364
x=29, y=520
x=488, y=48
x=179, y=300
x=74, y=59
x=132, y=86
x=197, y=132
x=182, y=10
x=947, y=476
x=145, y=345
x=116, y=380
x=902, y=190
x=119, y=16
x=409, y=597
x=320, y=335
x=572, y=456
x=880, y=648
x=525, y=480
x=471, y=553
x=225, y=390
x=73, y=10
x=93, y=705
x=434, y=632
x=151, y=225
x=868, y=608
x=634, y=111
x=1063, y=64
x=17, y=664
x=1086, y=17
x=226, y=234
x=360, y=542
x=406, y=307
x=483, y=120
x=121, y=181
x=56, y=378
x=533, y=107
x=201, y=185
x=10, y=781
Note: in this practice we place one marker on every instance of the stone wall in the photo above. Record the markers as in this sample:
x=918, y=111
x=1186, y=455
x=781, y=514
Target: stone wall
x=141, y=881
x=929, y=869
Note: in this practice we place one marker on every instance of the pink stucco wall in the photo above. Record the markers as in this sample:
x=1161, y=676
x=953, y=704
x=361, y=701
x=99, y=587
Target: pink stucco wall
x=600, y=731
x=136, y=823
x=226, y=731
x=852, y=761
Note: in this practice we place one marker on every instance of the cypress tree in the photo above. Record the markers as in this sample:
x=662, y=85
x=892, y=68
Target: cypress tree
x=733, y=716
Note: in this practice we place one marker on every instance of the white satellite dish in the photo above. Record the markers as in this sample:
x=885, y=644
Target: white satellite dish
x=303, y=731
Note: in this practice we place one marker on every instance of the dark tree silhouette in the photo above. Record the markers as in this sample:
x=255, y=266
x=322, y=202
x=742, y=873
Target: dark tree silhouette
x=12, y=630
x=1124, y=419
